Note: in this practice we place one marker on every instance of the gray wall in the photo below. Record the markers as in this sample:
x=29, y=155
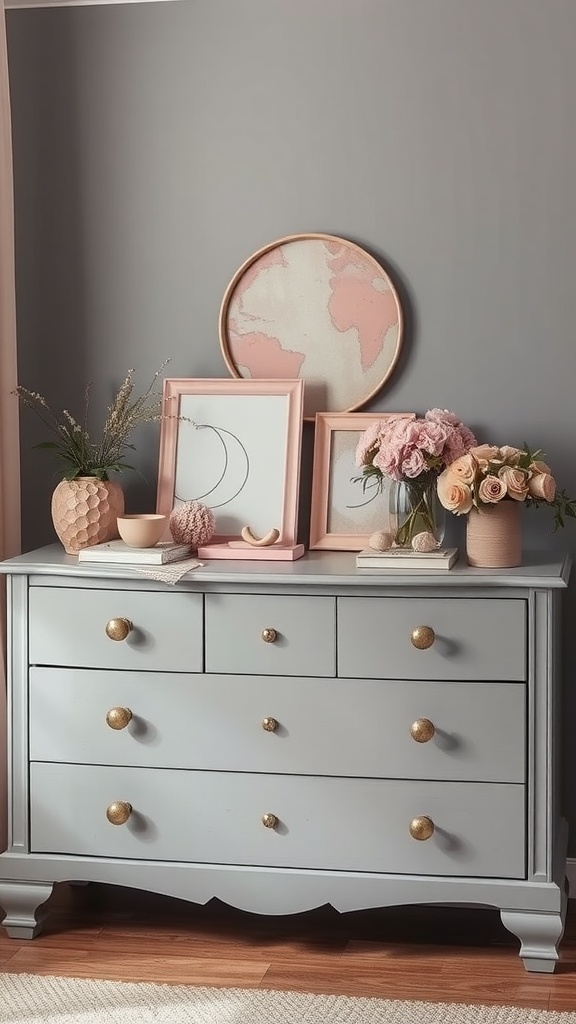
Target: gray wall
x=158, y=145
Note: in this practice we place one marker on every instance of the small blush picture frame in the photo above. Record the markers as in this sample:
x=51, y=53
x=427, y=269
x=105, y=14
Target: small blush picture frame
x=343, y=516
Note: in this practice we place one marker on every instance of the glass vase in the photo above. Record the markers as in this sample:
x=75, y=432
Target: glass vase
x=416, y=512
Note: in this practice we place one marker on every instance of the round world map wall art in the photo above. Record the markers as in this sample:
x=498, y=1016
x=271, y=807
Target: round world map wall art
x=315, y=307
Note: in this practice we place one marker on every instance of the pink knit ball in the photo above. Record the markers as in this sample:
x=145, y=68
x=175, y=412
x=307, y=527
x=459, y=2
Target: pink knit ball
x=192, y=523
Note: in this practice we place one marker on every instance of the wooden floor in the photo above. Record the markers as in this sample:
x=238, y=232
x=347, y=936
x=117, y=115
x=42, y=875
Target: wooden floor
x=436, y=954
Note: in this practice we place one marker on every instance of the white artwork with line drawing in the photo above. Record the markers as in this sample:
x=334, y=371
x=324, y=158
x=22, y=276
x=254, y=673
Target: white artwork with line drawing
x=350, y=508
x=232, y=458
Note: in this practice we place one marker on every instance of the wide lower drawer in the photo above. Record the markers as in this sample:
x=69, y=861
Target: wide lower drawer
x=271, y=634
x=320, y=726
x=68, y=627
x=471, y=638
x=330, y=823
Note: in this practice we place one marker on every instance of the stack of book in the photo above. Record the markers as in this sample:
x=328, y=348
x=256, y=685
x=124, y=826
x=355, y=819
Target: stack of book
x=118, y=552
x=404, y=558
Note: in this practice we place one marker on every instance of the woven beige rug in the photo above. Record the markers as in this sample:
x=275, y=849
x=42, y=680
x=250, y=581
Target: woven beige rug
x=32, y=999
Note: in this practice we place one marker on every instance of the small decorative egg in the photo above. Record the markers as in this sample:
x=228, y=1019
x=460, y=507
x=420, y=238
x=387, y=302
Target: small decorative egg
x=424, y=542
x=380, y=541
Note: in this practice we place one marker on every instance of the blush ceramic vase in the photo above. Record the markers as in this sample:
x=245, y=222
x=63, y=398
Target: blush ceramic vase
x=494, y=536
x=85, y=511
x=415, y=511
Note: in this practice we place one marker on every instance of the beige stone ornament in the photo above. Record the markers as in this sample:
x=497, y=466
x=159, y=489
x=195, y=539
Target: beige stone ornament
x=380, y=541
x=424, y=542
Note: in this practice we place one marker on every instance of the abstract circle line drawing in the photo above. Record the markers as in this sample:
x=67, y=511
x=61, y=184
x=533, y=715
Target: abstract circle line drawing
x=242, y=466
x=316, y=307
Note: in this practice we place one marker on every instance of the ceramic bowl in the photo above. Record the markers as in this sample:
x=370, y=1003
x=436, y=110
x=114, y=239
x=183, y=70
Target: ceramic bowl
x=142, y=531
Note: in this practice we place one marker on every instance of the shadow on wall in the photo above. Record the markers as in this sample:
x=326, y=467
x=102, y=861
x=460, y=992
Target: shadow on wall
x=51, y=294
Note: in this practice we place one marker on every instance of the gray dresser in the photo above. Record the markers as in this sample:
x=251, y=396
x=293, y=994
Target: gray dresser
x=285, y=735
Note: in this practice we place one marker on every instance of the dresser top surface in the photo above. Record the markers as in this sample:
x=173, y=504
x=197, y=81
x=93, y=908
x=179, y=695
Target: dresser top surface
x=539, y=569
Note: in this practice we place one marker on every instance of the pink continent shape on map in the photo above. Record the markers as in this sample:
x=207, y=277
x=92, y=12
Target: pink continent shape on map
x=263, y=355
x=324, y=312
x=356, y=302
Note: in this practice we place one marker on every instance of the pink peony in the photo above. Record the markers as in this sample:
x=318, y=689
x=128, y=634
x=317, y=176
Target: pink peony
x=405, y=449
x=414, y=464
x=459, y=438
x=368, y=444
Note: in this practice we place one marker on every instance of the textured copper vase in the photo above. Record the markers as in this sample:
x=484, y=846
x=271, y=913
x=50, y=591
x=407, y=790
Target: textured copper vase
x=85, y=510
x=494, y=536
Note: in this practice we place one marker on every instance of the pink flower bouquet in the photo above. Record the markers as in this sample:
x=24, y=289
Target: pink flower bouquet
x=486, y=475
x=414, y=451
x=406, y=449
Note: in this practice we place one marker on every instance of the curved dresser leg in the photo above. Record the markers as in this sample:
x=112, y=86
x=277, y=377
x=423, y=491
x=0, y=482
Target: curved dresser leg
x=539, y=935
x=22, y=902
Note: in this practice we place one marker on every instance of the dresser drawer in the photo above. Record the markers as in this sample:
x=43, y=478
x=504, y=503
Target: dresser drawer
x=474, y=638
x=68, y=627
x=301, y=631
x=324, y=726
x=216, y=817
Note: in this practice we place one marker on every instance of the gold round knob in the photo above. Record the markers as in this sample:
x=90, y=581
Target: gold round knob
x=269, y=635
x=422, y=637
x=422, y=730
x=269, y=820
x=269, y=724
x=118, y=629
x=118, y=718
x=119, y=812
x=421, y=828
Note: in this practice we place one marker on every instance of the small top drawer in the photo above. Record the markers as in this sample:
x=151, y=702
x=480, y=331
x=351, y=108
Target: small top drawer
x=68, y=627
x=469, y=639
x=270, y=635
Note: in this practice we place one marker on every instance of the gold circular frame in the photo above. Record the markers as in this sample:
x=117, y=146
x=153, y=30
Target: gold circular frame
x=314, y=405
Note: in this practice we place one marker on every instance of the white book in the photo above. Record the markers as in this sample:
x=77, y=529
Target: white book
x=118, y=551
x=403, y=558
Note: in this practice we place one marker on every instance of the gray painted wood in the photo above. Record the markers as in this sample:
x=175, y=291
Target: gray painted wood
x=68, y=627
x=323, y=823
x=321, y=567
x=475, y=639
x=201, y=771
x=305, y=628
x=325, y=726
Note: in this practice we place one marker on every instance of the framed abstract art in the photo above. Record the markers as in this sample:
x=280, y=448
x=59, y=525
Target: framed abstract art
x=343, y=514
x=234, y=446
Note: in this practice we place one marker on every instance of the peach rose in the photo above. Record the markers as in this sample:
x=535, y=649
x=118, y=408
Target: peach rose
x=516, y=481
x=492, y=489
x=485, y=453
x=511, y=454
x=454, y=495
x=543, y=485
x=539, y=467
x=464, y=468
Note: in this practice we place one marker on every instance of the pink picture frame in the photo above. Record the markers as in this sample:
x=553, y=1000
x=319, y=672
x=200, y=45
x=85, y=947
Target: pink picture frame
x=234, y=446
x=343, y=516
